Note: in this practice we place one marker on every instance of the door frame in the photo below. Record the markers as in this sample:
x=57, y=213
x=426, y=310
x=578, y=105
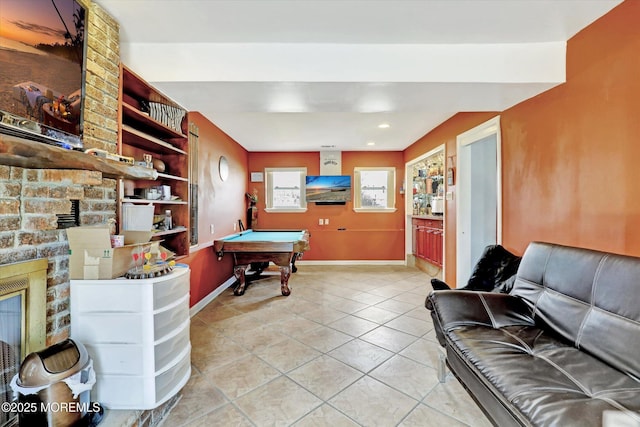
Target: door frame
x=408, y=206
x=463, y=212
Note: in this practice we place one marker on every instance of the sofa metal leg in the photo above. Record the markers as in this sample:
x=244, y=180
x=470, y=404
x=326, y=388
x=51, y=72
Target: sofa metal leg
x=442, y=365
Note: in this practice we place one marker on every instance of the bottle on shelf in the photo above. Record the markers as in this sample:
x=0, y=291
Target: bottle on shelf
x=168, y=223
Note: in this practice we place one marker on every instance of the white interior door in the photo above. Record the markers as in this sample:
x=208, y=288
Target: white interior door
x=478, y=190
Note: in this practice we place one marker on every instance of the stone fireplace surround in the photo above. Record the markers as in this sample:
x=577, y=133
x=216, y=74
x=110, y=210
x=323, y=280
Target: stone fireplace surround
x=31, y=198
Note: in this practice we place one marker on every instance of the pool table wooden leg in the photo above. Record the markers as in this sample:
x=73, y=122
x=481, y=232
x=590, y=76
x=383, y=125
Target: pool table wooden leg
x=239, y=272
x=285, y=272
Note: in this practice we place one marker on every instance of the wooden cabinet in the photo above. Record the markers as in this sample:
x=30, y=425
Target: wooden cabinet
x=427, y=240
x=153, y=125
x=137, y=334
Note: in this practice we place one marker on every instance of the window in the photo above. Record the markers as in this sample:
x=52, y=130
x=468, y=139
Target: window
x=374, y=189
x=193, y=184
x=285, y=189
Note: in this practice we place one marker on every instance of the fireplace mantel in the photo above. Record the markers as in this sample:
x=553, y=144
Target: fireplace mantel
x=29, y=154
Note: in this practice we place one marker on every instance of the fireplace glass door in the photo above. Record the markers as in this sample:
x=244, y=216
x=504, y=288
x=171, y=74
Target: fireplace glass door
x=12, y=340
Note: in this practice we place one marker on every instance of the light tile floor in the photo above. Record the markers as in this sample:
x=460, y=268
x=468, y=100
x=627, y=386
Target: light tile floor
x=351, y=346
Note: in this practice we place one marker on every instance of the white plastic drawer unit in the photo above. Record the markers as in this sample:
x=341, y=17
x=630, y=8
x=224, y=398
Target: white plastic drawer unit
x=139, y=359
x=128, y=295
x=165, y=382
x=132, y=318
x=142, y=392
x=137, y=332
x=131, y=328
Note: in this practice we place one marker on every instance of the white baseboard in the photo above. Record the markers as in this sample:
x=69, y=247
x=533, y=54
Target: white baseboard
x=213, y=295
x=352, y=262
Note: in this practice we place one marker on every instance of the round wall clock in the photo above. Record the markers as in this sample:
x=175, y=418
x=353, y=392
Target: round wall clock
x=223, y=168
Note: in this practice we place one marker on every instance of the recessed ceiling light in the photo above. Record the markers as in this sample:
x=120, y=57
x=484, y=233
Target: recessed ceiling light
x=384, y=125
x=371, y=143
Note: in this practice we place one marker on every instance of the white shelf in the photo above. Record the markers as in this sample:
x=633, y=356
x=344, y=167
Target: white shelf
x=175, y=178
x=155, y=202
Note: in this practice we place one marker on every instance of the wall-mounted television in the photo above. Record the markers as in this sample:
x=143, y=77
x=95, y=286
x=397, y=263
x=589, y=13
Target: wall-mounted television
x=42, y=58
x=328, y=189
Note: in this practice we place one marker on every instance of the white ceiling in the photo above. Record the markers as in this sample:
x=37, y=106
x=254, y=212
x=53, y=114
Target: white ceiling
x=312, y=75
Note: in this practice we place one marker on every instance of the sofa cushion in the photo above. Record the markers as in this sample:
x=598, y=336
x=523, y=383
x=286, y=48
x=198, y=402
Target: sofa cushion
x=454, y=308
x=590, y=298
x=545, y=378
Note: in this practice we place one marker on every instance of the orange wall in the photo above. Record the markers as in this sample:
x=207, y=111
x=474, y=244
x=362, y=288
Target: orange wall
x=570, y=155
x=571, y=173
x=368, y=236
x=219, y=203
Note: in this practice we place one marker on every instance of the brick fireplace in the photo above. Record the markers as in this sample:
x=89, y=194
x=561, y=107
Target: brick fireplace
x=29, y=205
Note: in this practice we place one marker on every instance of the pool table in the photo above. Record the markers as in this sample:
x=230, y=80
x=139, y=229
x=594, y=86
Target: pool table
x=259, y=247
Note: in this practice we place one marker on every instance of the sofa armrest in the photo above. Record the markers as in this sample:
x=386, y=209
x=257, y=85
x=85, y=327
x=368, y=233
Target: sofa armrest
x=456, y=308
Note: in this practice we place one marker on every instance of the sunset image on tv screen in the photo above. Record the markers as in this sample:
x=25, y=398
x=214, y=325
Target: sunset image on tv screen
x=41, y=61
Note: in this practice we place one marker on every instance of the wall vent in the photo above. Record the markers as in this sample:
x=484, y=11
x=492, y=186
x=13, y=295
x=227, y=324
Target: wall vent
x=71, y=219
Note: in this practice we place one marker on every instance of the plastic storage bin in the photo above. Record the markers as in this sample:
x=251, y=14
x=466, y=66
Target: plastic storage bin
x=137, y=332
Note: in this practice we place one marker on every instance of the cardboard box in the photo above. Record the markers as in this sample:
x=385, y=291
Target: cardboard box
x=92, y=257
x=132, y=237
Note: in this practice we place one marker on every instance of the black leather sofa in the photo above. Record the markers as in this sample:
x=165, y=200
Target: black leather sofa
x=561, y=349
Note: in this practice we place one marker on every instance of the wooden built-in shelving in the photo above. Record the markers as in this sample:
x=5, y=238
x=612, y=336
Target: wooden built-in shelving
x=143, y=135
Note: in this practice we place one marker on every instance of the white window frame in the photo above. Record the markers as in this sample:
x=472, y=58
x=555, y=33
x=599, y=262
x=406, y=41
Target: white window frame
x=391, y=186
x=268, y=180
